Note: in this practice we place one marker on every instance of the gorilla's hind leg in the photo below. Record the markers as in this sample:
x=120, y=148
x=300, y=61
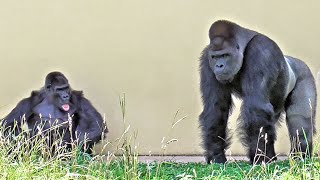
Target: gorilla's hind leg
x=300, y=116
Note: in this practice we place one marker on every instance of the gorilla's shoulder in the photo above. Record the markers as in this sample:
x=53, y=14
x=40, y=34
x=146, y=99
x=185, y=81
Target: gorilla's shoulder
x=35, y=93
x=77, y=94
x=36, y=97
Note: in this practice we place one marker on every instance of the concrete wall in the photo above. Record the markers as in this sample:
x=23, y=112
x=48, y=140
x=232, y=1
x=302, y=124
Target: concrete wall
x=147, y=49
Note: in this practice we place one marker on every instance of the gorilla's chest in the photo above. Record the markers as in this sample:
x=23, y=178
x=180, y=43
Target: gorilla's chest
x=48, y=115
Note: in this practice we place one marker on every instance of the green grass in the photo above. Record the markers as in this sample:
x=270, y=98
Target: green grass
x=19, y=161
x=82, y=166
x=25, y=158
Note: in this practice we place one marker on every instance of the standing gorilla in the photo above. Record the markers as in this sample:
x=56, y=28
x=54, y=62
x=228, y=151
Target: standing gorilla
x=250, y=65
x=54, y=105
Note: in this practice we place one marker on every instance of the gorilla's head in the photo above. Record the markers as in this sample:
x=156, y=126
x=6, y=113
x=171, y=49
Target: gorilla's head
x=224, y=54
x=58, y=90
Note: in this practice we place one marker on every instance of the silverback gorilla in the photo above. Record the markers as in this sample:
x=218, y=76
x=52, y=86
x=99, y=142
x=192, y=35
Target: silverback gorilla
x=56, y=104
x=251, y=66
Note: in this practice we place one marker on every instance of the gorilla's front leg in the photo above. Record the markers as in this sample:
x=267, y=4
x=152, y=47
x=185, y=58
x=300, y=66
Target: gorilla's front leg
x=217, y=102
x=213, y=121
x=259, y=131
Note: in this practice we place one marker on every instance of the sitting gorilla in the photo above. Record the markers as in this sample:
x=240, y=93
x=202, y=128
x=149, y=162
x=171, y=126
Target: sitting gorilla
x=57, y=105
x=251, y=66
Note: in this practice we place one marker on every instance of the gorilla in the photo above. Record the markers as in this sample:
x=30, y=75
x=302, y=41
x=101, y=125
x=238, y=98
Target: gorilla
x=251, y=66
x=57, y=105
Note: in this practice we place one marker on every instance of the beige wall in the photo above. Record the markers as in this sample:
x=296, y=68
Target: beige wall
x=147, y=49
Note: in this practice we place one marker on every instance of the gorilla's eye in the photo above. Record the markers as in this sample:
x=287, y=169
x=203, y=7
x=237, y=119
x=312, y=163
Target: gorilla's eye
x=48, y=86
x=220, y=56
x=225, y=55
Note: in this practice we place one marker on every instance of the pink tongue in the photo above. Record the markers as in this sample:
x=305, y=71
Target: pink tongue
x=66, y=107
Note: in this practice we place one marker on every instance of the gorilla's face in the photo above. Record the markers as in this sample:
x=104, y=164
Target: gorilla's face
x=225, y=59
x=58, y=92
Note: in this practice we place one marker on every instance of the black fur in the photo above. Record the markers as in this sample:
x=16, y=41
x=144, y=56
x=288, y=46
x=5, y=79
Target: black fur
x=44, y=108
x=251, y=66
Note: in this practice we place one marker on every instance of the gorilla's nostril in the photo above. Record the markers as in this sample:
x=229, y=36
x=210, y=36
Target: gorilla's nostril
x=219, y=65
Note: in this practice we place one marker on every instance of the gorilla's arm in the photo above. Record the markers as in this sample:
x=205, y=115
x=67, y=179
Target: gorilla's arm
x=90, y=126
x=217, y=103
x=22, y=111
x=258, y=84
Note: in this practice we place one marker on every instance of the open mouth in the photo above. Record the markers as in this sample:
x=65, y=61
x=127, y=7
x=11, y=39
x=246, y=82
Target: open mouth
x=66, y=107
